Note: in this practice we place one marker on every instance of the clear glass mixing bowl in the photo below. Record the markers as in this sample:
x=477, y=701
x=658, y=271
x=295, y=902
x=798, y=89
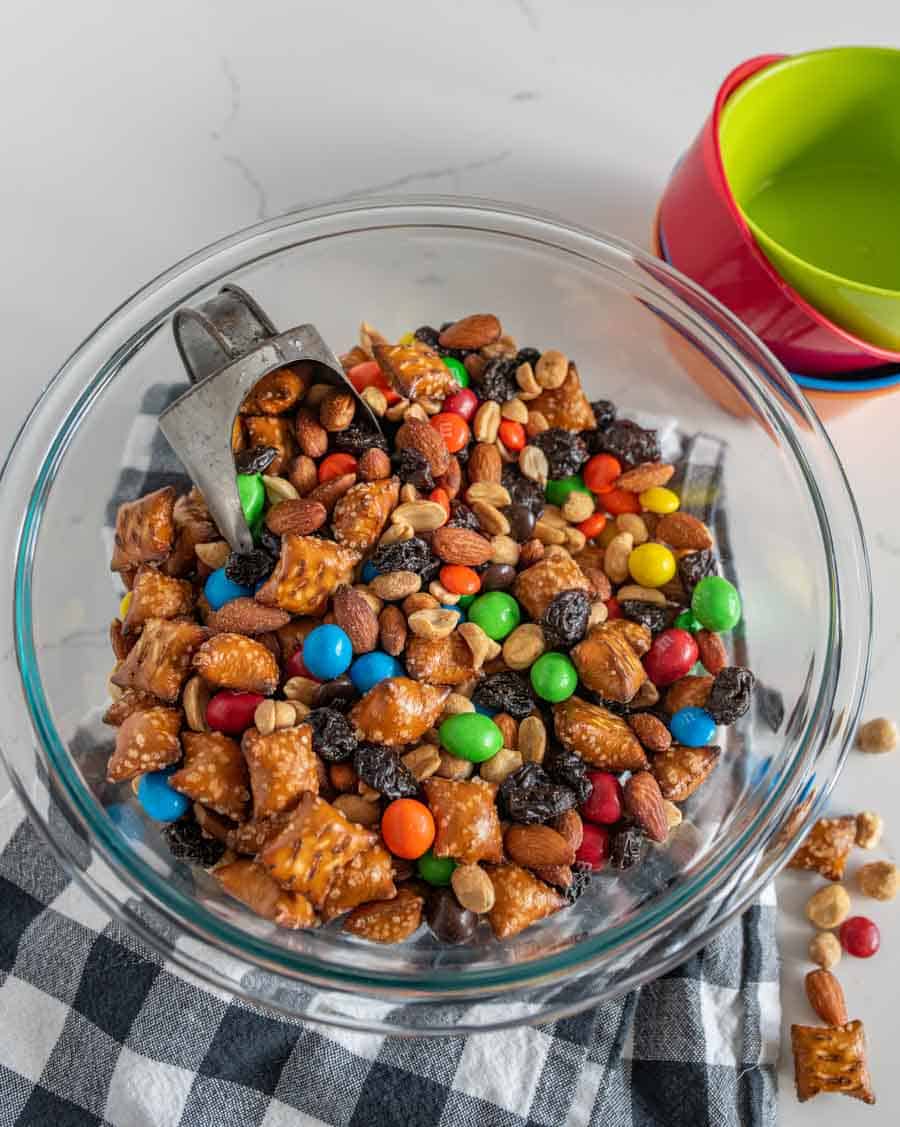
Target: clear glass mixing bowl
x=644, y=336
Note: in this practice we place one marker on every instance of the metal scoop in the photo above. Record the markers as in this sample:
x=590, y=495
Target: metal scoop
x=228, y=344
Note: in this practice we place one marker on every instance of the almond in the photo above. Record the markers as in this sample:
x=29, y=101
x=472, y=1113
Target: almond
x=461, y=546
x=645, y=476
x=826, y=997
x=246, y=616
x=570, y=826
x=374, y=465
x=644, y=802
x=425, y=440
x=392, y=630
x=713, y=654
x=300, y=517
x=651, y=731
x=356, y=618
x=688, y=691
x=451, y=481
x=485, y=464
x=312, y=437
x=536, y=846
x=302, y=474
x=471, y=332
x=681, y=530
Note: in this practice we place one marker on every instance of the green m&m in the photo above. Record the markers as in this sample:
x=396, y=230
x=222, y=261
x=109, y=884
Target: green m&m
x=553, y=677
x=435, y=870
x=716, y=604
x=558, y=490
x=252, y=493
x=458, y=369
x=687, y=621
x=469, y=735
x=496, y=613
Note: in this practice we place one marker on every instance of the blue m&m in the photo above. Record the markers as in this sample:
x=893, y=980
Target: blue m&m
x=693, y=727
x=219, y=589
x=371, y=668
x=327, y=652
x=159, y=800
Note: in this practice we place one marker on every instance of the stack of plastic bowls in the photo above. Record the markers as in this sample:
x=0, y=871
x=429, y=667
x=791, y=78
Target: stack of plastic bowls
x=787, y=209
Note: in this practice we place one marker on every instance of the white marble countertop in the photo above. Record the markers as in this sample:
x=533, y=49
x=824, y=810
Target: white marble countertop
x=133, y=135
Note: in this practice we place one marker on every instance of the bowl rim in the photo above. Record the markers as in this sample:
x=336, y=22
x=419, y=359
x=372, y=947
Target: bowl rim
x=760, y=78
x=730, y=84
x=676, y=904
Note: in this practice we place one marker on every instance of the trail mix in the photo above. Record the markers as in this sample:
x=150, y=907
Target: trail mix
x=466, y=667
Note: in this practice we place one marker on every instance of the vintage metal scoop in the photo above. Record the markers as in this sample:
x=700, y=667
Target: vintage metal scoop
x=228, y=344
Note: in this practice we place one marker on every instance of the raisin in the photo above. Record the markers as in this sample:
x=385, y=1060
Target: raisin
x=255, y=460
x=729, y=697
x=498, y=380
x=382, y=769
x=651, y=615
x=414, y=469
x=625, y=440
x=530, y=796
x=696, y=566
x=627, y=848
x=270, y=541
x=604, y=413
x=505, y=692
x=527, y=356
x=461, y=516
x=406, y=555
x=581, y=878
x=357, y=439
x=187, y=842
x=565, y=620
x=566, y=452
x=570, y=770
x=332, y=736
x=249, y=568
x=427, y=335
x=523, y=491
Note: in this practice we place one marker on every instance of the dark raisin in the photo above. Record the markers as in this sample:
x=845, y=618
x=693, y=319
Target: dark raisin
x=527, y=356
x=446, y=917
x=627, y=847
x=498, y=577
x=414, y=468
x=651, y=615
x=427, y=335
x=696, y=566
x=405, y=555
x=729, y=697
x=255, y=460
x=461, y=516
x=357, y=438
x=187, y=842
x=521, y=522
x=249, y=568
x=569, y=769
x=566, y=452
x=565, y=620
x=530, y=796
x=340, y=692
x=498, y=380
x=382, y=768
x=506, y=692
x=270, y=541
x=625, y=440
x=604, y=412
x=581, y=878
x=523, y=491
x=332, y=736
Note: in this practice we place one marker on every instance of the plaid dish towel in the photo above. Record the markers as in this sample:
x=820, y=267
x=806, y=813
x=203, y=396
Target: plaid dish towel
x=95, y=1028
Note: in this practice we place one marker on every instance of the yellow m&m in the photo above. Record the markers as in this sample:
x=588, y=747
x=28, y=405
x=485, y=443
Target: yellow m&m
x=659, y=500
x=651, y=565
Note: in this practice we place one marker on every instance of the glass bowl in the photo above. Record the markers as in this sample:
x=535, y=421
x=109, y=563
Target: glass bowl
x=643, y=336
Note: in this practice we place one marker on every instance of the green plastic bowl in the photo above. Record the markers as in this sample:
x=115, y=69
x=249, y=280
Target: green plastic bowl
x=811, y=149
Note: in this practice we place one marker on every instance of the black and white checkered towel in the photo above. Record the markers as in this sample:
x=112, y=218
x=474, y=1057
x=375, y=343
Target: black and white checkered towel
x=95, y=1028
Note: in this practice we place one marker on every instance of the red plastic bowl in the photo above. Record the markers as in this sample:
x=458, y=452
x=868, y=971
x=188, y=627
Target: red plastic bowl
x=707, y=238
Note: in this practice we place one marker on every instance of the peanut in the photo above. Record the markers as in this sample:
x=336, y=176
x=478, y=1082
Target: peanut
x=195, y=699
x=421, y=516
x=214, y=554
x=505, y=550
x=483, y=648
x=486, y=422
x=358, y=809
x=529, y=388
x=457, y=703
x=453, y=768
x=636, y=525
x=524, y=646
x=551, y=369
x=279, y=489
x=395, y=585
x=578, y=506
x=825, y=949
x=495, y=769
x=877, y=735
x=869, y=828
x=433, y=623
x=533, y=464
x=879, y=879
x=473, y=889
x=423, y=761
x=829, y=906
x=516, y=410
x=532, y=739
x=615, y=559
